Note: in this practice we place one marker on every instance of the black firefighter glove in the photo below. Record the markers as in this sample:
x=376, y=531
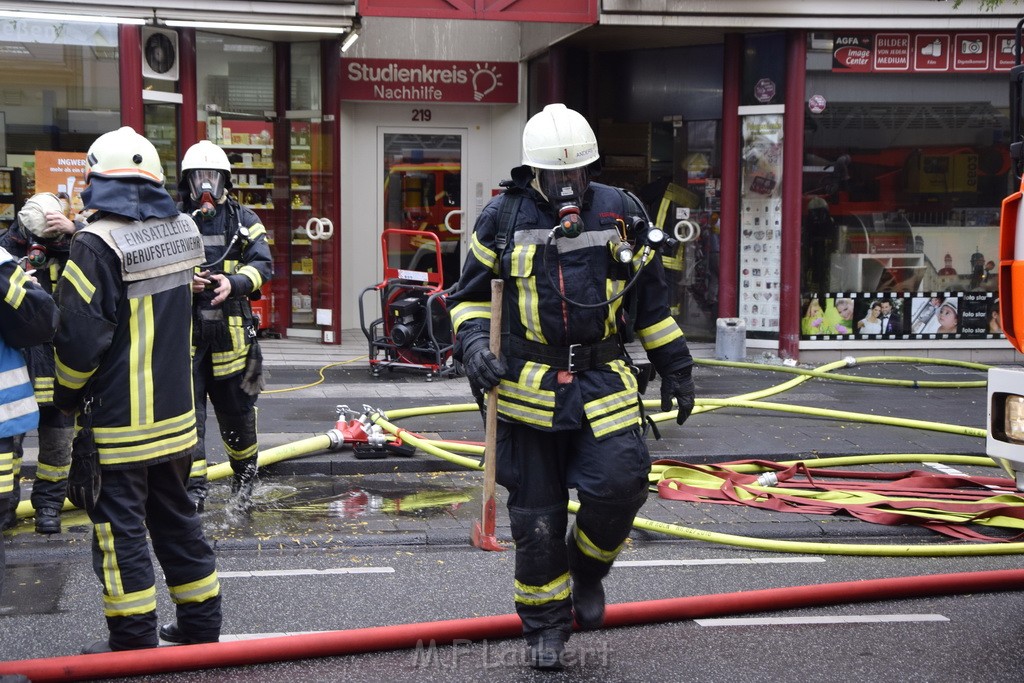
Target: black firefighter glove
x=483, y=369
x=252, y=381
x=678, y=385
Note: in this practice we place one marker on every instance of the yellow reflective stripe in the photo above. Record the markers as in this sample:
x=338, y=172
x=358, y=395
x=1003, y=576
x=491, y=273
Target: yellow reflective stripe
x=111, y=436
x=659, y=334
x=138, y=602
x=253, y=275
x=528, y=298
x=228, y=362
x=6, y=473
x=672, y=262
x=468, y=310
x=53, y=473
x=487, y=257
x=532, y=374
x=256, y=230
x=122, y=455
x=540, y=595
x=69, y=377
x=16, y=292
x=140, y=360
x=111, y=572
x=43, y=387
x=196, y=591
x=242, y=454
x=198, y=468
x=588, y=548
x=611, y=290
x=78, y=280
x=524, y=414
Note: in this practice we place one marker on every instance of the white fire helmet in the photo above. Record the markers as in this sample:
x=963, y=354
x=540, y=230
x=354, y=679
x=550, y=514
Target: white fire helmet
x=123, y=153
x=205, y=169
x=558, y=138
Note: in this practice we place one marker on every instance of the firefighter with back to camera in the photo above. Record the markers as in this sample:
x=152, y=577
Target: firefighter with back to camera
x=567, y=395
x=227, y=362
x=39, y=239
x=123, y=359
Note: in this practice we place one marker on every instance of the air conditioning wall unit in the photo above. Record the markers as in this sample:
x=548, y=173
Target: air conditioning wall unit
x=159, y=53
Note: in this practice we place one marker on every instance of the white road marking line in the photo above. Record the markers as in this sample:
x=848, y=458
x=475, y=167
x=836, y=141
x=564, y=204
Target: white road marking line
x=852, y=619
x=740, y=560
x=954, y=472
x=306, y=572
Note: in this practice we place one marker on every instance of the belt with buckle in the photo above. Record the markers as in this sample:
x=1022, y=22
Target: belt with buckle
x=573, y=358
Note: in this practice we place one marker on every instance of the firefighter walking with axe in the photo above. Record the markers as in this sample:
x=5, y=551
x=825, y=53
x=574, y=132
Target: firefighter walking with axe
x=564, y=390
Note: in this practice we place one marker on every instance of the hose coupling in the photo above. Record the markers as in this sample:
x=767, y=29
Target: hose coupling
x=337, y=439
x=768, y=479
x=850, y=361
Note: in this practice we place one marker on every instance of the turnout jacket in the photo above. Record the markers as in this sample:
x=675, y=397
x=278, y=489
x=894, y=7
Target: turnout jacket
x=28, y=316
x=248, y=266
x=125, y=301
x=17, y=241
x=581, y=269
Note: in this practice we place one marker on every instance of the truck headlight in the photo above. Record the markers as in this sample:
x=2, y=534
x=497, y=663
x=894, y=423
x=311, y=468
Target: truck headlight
x=1013, y=417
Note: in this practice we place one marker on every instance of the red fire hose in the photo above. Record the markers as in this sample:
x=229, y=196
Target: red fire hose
x=404, y=636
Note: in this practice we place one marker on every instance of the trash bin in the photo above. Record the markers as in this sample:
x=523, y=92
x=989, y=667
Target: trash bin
x=731, y=339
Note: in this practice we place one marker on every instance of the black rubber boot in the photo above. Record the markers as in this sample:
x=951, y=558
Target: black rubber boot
x=243, y=481
x=47, y=521
x=172, y=634
x=587, y=588
x=546, y=652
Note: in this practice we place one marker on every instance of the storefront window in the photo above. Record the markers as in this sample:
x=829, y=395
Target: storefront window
x=60, y=92
x=905, y=166
x=235, y=81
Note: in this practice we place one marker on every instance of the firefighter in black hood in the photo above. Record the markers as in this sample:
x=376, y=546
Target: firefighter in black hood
x=226, y=363
x=123, y=362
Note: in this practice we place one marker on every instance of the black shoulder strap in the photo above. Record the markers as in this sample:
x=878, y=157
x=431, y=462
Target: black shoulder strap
x=510, y=203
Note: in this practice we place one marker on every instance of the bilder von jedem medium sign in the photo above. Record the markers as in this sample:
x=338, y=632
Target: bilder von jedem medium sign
x=417, y=80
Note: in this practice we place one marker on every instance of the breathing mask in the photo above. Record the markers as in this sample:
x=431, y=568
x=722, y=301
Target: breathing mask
x=206, y=187
x=564, y=189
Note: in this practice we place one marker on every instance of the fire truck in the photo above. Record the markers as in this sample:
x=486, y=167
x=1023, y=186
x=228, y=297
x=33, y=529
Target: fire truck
x=1005, y=440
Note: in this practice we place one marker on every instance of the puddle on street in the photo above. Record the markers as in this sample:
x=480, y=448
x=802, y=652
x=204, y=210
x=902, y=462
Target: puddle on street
x=319, y=504
x=33, y=588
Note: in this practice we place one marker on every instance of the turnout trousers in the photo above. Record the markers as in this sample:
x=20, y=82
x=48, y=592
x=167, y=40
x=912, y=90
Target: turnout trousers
x=538, y=468
x=56, y=431
x=236, y=417
x=152, y=498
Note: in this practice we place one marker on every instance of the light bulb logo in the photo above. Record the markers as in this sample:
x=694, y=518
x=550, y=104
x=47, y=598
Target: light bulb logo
x=485, y=79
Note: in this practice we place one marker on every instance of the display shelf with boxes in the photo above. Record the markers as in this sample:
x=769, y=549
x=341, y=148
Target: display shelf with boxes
x=250, y=149
x=10, y=195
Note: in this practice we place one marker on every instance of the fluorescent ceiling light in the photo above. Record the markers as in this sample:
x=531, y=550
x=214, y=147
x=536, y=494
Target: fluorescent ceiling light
x=255, y=27
x=53, y=16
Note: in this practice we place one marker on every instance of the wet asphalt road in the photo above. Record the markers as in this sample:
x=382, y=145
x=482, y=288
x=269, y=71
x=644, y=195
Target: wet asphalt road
x=338, y=542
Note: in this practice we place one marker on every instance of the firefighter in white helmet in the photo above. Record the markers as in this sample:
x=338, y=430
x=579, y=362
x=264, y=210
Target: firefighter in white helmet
x=227, y=362
x=123, y=361
x=39, y=239
x=582, y=271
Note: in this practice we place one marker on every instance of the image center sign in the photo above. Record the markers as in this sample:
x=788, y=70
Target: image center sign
x=418, y=80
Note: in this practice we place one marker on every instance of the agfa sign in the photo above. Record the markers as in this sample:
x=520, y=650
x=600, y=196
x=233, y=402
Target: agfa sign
x=442, y=82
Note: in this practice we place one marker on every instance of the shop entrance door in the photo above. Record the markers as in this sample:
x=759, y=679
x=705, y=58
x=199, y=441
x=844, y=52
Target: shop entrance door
x=313, y=251
x=424, y=188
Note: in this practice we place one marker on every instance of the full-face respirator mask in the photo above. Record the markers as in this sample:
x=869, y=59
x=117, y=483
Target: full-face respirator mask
x=206, y=188
x=564, y=189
